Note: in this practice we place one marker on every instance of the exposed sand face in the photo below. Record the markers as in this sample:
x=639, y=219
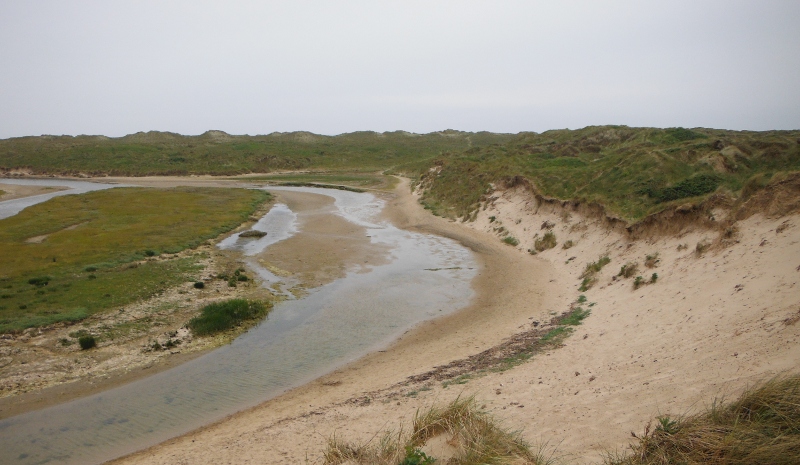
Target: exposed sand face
x=710, y=325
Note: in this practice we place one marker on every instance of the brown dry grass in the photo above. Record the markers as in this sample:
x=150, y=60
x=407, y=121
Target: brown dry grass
x=762, y=426
x=476, y=436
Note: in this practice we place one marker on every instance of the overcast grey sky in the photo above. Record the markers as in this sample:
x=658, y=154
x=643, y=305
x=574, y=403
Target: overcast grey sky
x=118, y=67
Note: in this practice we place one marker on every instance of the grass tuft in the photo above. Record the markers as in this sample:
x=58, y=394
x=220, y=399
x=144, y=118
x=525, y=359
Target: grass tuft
x=548, y=241
x=478, y=438
x=761, y=426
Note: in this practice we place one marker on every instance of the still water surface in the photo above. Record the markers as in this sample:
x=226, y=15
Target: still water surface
x=300, y=340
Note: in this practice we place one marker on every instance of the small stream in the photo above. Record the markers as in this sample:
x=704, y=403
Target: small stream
x=302, y=339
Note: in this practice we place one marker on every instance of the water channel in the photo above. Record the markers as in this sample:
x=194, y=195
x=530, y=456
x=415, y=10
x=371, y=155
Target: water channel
x=427, y=276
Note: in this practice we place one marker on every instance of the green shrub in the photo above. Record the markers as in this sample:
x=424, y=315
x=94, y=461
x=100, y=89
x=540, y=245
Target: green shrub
x=567, y=245
x=199, y=285
x=40, y=281
x=691, y=187
x=638, y=282
x=221, y=316
x=87, y=342
x=90, y=269
x=651, y=260
x=416, y=457
x=511, y=240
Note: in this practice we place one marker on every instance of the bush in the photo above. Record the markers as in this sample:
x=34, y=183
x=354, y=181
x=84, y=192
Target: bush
x=199, y=285
x=568, y=244
x=548, y=241
x=221, y=316
x=40, y=281
x=651, y=260
x=87, y=342
x=690, y=187
x=511, y=240
x=638, y=282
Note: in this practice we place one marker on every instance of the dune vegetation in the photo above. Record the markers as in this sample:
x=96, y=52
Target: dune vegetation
x=632, y=172
x=75, y=255
x=761, y=426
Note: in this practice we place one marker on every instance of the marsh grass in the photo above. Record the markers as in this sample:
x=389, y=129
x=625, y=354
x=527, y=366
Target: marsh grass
x=761, y=426
x=102, y=263
x=222, y=316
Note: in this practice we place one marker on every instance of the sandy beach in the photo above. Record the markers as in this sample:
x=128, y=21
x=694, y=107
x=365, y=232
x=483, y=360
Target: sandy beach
x=711, y=325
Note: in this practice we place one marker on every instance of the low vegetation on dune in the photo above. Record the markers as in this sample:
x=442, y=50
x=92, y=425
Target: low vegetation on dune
x=471, y=434
x=761, y=426
x=633, y=172
x=75, y=255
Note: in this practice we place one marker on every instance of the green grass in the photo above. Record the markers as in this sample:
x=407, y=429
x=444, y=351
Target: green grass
x=93, y=258
x=222, y=316
x=221, y=154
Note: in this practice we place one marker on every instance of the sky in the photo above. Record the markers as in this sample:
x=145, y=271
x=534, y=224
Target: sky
x=255, y=67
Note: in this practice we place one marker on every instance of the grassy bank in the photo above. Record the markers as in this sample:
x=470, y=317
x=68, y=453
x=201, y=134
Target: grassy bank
x=632, y=171
x=75, y=255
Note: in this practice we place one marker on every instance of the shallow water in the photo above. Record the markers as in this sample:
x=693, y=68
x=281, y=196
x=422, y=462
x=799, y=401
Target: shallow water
x=12, y=207
x=302, y=339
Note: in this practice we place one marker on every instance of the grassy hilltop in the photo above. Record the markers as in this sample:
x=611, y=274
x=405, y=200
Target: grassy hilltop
x=215, y=152
x=631, y=171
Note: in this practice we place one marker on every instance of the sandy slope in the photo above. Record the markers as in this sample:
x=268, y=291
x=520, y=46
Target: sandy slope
x=709, y=325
